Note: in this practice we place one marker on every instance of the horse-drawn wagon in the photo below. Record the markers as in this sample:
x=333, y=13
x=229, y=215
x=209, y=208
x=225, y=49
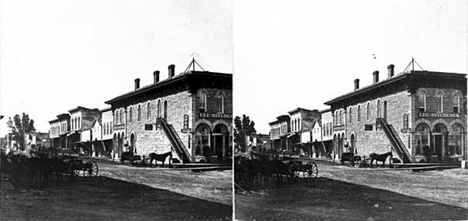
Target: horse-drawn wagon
x=303, y=169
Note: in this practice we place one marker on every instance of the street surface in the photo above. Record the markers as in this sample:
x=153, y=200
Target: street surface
x=345, y=193
x=121, y=192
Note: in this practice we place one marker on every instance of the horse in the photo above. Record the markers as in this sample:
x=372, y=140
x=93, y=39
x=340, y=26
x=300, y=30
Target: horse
x=160, y=157
x=381, y=158
x=349, y=157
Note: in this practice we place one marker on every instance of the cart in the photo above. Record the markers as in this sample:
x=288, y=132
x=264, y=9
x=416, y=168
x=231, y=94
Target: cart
x=307, y=170
x=85, y=169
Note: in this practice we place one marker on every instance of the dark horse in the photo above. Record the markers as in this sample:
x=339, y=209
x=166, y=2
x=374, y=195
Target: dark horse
x=381, y=158
x=160, y=157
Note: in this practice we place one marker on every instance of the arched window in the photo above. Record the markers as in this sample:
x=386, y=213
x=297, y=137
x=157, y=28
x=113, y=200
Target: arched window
x=440, y=103
x=368, y=111
x=148, y=111
x=165, y=110
x=159, y=109
x=130, y=114
x=139, y=113
x=456, y=103
x=116, y=116
x=422, y=101
x=342, y=117
x=422, y=138
x=350, y=115
x=221, y=103
x=359, y=113
x=121, y=120
x=455, y=140
x=378, y=109
x=202, y=102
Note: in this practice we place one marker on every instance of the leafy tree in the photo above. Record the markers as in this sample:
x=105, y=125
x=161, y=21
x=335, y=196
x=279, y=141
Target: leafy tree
x=19, y=127
x=243, y=128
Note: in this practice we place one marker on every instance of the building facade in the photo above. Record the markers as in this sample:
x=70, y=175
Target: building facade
x=189, y=114
x=279, y=130
x=419, y=115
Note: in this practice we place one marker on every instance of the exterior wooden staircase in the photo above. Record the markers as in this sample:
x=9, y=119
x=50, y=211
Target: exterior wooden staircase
x=175, y=140
x=395, y=140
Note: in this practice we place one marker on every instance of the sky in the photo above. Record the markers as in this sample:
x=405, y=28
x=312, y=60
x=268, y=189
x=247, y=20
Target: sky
x=57, y=55
x=290, y=54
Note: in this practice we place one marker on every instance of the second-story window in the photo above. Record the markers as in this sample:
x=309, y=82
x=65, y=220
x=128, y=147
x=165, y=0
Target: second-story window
x=221, y=103
x=79, y=122
x=350, y=115
x=158, y=112
x=202, y=102
x=422, y=101
x=139, y=113
x=148, y=111
x=456, y=103
x=378, y=108
x=121, y=120
x=359, y=113
x=440, y=102
x=368, y=111
x=130, y=114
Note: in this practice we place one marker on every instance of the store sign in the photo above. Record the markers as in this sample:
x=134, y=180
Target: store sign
x=218, y=116
x=368, y=127
x=438, y=115
x=119, y=127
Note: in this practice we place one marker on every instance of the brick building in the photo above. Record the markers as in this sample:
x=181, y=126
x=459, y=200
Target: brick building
x=419, y=115
x=189, y=114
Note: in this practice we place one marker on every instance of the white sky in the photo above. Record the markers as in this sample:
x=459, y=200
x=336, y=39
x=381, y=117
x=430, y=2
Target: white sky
x=292, y=54
x=56, y=55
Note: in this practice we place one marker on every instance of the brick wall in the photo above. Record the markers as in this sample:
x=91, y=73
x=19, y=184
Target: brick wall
x=376, y=141
x=155, y=140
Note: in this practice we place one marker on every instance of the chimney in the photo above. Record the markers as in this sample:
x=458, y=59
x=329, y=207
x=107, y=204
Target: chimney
x=356, y=84
x=156, y=76
x=391, y=69
x=137, y=83
x=171, y=70
x=376, y=76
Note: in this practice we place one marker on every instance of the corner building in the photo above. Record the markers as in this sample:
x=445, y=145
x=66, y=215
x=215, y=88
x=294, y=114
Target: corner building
x=189, y=114
x=419, y=115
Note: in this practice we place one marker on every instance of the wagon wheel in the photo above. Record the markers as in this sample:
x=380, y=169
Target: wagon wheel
x=311, y=170
x=293, y=172
x=93, y=169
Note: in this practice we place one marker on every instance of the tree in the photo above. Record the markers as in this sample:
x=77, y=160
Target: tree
x=20, y=126
x=243, y=128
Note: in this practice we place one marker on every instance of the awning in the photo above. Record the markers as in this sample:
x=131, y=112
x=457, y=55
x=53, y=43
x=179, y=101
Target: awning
x=292, y=135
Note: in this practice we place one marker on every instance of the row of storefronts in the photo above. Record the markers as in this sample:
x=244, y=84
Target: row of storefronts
x=418, y=115
x=189, y=114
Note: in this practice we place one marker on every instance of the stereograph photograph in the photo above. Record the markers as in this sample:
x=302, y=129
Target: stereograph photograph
x=233, y=110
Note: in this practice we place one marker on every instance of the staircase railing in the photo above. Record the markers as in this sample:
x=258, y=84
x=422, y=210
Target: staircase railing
x=175, y=140
x=395, y=140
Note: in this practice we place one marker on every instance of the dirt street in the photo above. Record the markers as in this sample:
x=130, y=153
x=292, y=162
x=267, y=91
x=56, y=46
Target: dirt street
x=121, y=192
x=345, y=193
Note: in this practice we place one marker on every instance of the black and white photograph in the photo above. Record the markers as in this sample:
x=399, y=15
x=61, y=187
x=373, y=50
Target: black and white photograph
x=233, y=110
x=350, y=110
x=116, y=110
